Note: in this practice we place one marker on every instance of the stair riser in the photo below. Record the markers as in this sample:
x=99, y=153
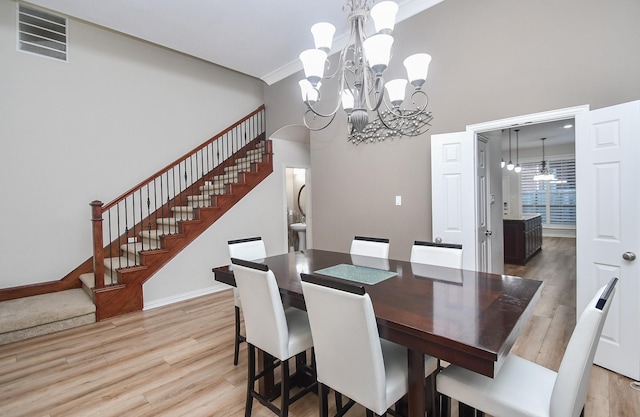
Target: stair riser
x=213, y=189
x=183, y=216
x=226, y=178
x=151, y=241
x=239, y=166
x=199, y=201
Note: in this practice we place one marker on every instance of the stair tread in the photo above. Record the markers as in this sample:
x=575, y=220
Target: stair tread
x=28, y=312
x=89, y=279
x=139, y=247
x=119, y=262
x=153, y=234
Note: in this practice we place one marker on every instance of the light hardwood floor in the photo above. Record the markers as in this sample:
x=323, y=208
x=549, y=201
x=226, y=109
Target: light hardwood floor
x=178, y=360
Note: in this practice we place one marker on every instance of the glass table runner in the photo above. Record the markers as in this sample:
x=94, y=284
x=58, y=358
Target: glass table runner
x=360, y=274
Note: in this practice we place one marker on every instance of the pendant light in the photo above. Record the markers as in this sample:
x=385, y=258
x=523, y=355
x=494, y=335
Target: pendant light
x=518, y=168
x=544, y=174
x=510, y=164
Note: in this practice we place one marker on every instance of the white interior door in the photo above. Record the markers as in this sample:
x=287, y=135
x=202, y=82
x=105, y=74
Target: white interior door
x=453, y=192
x=483, y=234
x=608, y=227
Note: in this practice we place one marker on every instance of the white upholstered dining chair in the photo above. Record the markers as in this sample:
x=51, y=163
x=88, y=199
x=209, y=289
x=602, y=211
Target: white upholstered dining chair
x=249, y=249
x=370, y=246
x=438, y=254
x=279, y=332
x=351, y=358
x=525, y=389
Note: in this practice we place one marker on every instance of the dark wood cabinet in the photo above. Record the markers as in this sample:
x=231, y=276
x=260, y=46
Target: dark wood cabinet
x=522, y=238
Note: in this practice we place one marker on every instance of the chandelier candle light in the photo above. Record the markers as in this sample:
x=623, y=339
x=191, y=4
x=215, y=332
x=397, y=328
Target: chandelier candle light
x=360, y=70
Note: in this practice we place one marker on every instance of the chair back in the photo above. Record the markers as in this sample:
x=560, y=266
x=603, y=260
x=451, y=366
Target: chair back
x=572, y=383
x=370, y=246
x=348, y=351
x=264, y=318
x=248, y=249
x=439, y=254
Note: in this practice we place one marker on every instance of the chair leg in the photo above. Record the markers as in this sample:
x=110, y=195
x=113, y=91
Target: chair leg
x=250, y=379
x=431, y=396
x=445, y=406
x=285, y=386
x=338, y=397
x=323, y=400
x=465, y=411
x=238, y=338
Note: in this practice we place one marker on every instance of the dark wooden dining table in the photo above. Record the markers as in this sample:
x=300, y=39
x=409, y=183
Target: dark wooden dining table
x=464, y=317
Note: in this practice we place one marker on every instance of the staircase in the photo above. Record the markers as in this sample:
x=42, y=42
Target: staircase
x=143, y=255
x=142, y=230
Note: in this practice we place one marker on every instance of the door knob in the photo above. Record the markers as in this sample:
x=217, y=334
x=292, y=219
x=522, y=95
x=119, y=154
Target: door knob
x=629, y=256
x=488, y=233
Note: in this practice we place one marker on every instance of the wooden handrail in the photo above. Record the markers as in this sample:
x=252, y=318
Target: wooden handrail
x=177, y=161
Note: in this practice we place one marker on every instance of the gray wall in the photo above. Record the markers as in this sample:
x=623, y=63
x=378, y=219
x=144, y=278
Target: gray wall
x=492, y=59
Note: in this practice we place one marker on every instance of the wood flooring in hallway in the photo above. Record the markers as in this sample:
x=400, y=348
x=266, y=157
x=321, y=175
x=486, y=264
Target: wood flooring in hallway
x=178, y=360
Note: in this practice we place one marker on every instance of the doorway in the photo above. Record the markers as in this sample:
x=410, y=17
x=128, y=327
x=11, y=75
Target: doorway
x=295, y=185
x=453, y=180
x=606, y=157
x=525, y=148
x=524, y=193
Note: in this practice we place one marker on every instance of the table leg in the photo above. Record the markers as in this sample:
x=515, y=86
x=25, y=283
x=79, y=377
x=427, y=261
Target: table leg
x=266, y=385
x=465, y=411
x=416, y=383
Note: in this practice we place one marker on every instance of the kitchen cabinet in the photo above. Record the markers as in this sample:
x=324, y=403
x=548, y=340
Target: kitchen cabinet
x=522, y=238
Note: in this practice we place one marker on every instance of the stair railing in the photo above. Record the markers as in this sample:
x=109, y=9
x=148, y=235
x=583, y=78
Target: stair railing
x=117, y=225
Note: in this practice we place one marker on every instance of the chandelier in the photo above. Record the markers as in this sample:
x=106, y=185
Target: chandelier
x=361, y=86
x=545, y=174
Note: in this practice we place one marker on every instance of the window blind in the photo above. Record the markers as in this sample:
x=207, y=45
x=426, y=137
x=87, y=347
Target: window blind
x=554, y=200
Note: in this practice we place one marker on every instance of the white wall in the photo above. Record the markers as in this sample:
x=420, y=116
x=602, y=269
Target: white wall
x=89, y=129
x=261, y=213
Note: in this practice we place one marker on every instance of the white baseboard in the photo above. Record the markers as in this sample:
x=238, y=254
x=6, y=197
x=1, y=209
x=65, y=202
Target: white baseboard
x=186, y=296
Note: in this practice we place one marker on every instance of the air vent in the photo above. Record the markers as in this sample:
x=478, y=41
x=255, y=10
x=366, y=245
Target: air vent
x=42, y=33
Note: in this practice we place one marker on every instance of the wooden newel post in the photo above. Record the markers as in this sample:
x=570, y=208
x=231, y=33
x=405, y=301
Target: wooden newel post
x=98, y=251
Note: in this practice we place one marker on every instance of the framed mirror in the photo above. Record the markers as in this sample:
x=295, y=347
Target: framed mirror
x=301, y=201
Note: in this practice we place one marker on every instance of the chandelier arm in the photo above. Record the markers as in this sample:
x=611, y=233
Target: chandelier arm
x=341, y=60
x=324, y=115
x=409, y=113
x=383, y=121
x=377, y=88
x=304, y=120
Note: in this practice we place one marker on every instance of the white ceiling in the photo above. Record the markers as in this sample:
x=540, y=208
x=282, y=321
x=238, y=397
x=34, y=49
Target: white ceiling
x=259, y=38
